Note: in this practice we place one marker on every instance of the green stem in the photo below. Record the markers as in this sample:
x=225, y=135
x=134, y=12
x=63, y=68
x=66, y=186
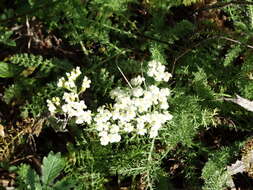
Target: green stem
x=149, y=185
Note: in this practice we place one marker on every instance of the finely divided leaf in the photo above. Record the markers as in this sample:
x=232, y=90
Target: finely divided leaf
x=30, y=179
x=52, y=166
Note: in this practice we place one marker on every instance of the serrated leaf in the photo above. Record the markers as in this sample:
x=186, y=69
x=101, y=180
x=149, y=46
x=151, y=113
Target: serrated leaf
x=53, y=164
x=65, y=183
x=8, y=70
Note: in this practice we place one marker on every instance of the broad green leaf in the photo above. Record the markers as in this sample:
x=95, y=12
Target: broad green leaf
x=8, y=70
x=52, y=166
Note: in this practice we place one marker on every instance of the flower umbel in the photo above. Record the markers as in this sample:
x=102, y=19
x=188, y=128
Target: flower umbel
x=157, y=71
x=69, y=104
x=139, y=110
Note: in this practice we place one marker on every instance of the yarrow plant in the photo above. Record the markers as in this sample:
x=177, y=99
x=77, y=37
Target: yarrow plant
x=138, y=110
x=69, y=104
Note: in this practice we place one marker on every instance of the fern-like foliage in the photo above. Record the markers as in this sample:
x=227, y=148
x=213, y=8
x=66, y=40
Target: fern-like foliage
x=188, y=120
x=246, y=77
x=232, y=54
x=27, y=60
x=30, y=62
x=23, y=66
x=15, y=91
x=215, y=173
x=28, y=178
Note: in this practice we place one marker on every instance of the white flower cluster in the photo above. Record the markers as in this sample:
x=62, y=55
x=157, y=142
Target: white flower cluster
x=136, y=110
x=157, y=71
x=70, y=84
x=139, y=110
x=71, y=106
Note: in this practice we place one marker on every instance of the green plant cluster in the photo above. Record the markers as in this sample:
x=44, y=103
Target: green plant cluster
x=112, y=41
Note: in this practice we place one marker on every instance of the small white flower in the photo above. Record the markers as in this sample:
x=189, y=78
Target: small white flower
x=77, y=71
x=141, y=131
x=70, y=84
x=116, y=114
x=114, y=129
x=154, y=90
x=168, y=116
x=144, y=104
x=128, y=127
x=148, y=96
x=153, y=133
x=102, y=126
x=104, y=140
x=130, y=113
x=56, y=100
x=124, y=102
x=165, y=91
x=118, y=94
x=167, y=76
x=164, y=105
x=70, y=97
x=60, y=83
x=72, y=107
x=78, y=106
x=137, y=81
x=84, y=117
x=51, y=107
x=103, y=115
x=66, y=108
x=137, y=92
x=114, y=137
x=140, y=123
x=85, y=84
x=103, y=133
x=72, y=76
